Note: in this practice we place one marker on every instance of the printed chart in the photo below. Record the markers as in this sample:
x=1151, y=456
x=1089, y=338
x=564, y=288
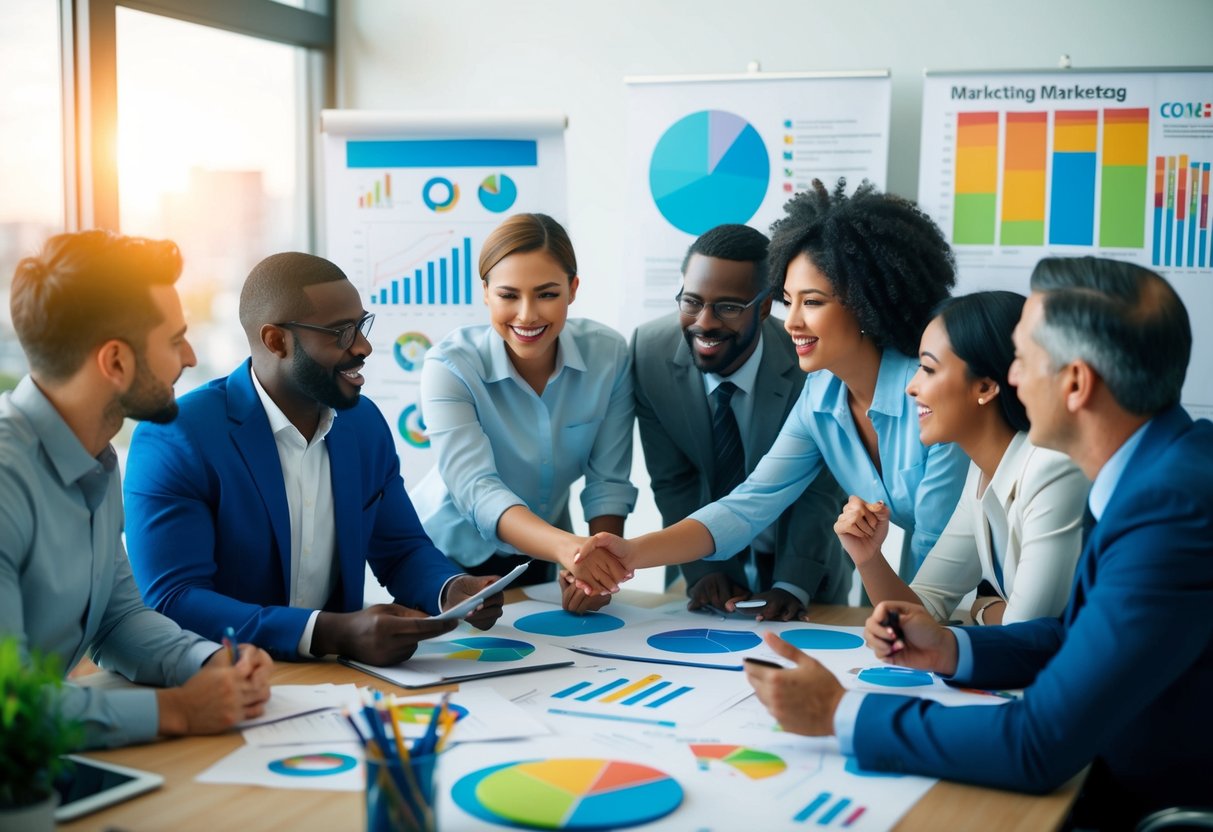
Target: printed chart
x=704, y=641
x=312, y=765
x=568, y=794
x=703, y=152
x=749, y=762
x=408, y=204
x=1016, y=167
x=421, y=713
x=477, y=649
x=817, y=638
x=563, y=624
x=831, y=811
x=895, y=677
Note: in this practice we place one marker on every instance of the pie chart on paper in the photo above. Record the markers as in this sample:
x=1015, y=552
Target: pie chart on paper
x=497, y=193
x=568, y=794
x=704, y=641
x=477, y=649
x=708, y=168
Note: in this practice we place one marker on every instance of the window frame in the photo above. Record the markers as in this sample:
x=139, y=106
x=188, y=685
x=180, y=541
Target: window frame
x=89, y=55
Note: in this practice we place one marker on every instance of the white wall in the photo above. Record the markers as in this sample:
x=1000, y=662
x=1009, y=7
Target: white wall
x=572, y=55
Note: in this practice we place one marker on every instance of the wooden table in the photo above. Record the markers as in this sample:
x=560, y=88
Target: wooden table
x=183, y=804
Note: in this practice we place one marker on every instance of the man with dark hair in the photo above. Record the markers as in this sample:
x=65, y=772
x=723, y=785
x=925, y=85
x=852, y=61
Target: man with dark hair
x=1123, y=677
x=698, y=445
x=103, y=329
x=262, y=505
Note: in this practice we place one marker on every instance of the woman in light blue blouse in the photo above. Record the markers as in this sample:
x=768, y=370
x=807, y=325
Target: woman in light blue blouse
x=520, y=409
x=860, y=276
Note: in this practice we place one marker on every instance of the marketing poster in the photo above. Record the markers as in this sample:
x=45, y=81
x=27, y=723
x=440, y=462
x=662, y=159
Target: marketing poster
x=1116, y=163
x=703, y=151
x=408, y=202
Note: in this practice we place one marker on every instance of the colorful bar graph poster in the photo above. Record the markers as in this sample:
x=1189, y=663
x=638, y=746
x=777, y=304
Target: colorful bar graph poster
x=704, y=151
x=1016, y=166
x=409, y=199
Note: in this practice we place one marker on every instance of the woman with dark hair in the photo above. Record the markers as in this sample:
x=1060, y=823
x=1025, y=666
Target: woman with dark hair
x=1016, y=533
x=519, y=409
x=860, y=276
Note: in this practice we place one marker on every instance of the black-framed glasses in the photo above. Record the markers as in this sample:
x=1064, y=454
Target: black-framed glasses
x=723, y=310
x=343, y=334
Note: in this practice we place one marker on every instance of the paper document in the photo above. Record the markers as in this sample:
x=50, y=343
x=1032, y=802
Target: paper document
x=463, y=608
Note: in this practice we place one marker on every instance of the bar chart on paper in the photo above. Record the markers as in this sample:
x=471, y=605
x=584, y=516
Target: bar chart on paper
x=434, y=269
x=1181, y=212
x=661, y=699
x=830, y=811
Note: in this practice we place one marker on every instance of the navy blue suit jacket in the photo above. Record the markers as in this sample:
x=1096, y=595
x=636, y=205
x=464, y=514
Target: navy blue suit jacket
x=208, y=529
x=1124, y=677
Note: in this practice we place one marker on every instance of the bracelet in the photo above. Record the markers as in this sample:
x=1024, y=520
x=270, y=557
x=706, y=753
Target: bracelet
x=979, y=617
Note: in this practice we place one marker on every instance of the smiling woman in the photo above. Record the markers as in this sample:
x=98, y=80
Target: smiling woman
x=520, y=409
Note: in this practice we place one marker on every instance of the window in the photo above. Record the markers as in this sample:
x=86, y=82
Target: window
x=31, y=151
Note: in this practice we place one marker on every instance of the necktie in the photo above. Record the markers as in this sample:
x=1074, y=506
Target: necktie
x=1088, y=523
x=729, y=468
x=729, y=463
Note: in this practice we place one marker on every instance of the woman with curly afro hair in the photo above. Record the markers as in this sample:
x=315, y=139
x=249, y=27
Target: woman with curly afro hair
x=860, y=276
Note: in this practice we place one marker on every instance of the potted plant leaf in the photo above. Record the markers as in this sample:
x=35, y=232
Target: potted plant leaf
x=33, y=736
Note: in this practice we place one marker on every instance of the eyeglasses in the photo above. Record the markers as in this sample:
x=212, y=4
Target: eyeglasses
x=343, y=334
x=723, y=310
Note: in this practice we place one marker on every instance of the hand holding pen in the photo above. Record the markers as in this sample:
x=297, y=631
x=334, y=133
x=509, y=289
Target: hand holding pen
x=906, y=635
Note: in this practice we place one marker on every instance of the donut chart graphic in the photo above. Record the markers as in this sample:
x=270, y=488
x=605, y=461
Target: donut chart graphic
x=420, y=713
x=440, y=194
x=313, y=765
x=412, y=428
x=477, y=649
x=410, y=349
x=709, y=168
x=704, y=641
x=815, y=639
x=569, y=794
x=564, y=624
x=497, y=193
x=754, y=764
x=895, y=677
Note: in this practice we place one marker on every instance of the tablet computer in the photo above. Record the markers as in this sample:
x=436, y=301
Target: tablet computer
x=88, y=785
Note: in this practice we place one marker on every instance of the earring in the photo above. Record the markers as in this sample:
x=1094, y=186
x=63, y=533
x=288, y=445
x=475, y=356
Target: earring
x=981, y=401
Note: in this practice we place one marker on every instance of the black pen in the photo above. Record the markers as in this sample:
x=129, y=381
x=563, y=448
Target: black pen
x=892, y=620
x=764, y=663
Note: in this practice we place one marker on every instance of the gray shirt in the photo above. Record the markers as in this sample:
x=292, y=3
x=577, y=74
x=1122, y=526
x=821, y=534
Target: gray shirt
x=65, y=583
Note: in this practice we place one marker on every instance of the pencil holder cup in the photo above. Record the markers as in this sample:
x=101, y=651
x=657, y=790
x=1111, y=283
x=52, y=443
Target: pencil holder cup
x=400, y=795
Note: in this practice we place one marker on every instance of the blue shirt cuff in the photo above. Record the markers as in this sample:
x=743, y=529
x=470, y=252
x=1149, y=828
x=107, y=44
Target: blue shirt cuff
x=795, y=591
x=845, y=717
x=964, y=655
x=729, y=532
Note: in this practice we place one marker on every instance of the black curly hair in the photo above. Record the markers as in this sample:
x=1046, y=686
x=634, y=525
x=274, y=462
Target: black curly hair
x=886, y=260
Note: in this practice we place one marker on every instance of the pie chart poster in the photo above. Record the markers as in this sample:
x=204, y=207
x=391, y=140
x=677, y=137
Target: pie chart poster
x=733, y=150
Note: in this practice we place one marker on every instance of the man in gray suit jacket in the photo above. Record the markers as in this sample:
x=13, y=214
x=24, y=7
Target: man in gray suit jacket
x=722, y=336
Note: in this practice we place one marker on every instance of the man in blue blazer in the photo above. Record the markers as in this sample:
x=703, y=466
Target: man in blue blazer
x=1122, y=680
x=261, y=505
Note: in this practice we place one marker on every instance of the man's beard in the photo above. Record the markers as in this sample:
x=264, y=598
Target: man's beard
x=319, y=382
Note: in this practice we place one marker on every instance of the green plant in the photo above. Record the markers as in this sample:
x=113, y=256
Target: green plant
x=33, y=732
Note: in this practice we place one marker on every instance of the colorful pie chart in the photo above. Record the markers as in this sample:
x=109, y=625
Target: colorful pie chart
x=708, y=168
x=704, y=641
x=751, y=762
x=477, y=649
x=895, y=677
x=313, y=765
x=420, y=713
x=568, y=794
x=497, y=193
x=565, y=624
x=816, y=639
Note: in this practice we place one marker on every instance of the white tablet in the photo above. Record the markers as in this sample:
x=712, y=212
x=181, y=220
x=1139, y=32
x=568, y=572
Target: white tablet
x=89, y=785
x=469, y=604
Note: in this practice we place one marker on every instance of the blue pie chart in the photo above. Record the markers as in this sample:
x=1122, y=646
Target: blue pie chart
x=497, y=193
x=814, y=639
x=709, y=168
x=704, y=641
x=565, y=624
x=895, y=677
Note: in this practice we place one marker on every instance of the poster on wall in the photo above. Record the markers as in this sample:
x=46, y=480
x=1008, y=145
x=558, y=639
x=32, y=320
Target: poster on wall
x=703, y=151
x=1111, y=163
x=408, y=201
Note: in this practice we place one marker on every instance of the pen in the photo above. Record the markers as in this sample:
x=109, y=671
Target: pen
x=229, y=641
x=892, y=620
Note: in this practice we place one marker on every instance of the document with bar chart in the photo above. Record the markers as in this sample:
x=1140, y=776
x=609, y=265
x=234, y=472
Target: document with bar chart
x=408, y=201
x=732, y=149
x=1018, y=166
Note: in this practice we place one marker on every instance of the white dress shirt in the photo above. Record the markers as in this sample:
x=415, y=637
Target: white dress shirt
x=309, y=498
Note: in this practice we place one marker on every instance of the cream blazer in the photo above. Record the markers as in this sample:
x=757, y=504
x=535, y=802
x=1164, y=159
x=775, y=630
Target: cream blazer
x=1039, y=495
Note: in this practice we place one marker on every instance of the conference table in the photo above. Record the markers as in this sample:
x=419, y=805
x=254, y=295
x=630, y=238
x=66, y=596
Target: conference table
x=183, y=804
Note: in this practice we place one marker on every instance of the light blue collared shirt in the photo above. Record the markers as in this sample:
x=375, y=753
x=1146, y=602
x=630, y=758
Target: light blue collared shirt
x=1101, y=494
x=920, y=485
x=65, y=583
x=500, y=444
